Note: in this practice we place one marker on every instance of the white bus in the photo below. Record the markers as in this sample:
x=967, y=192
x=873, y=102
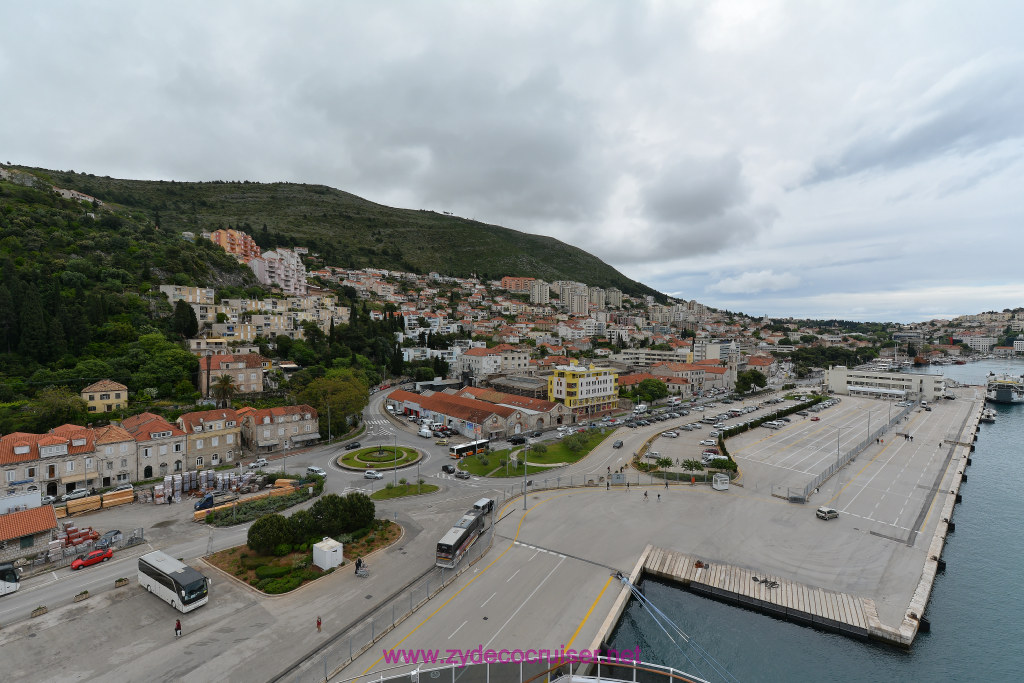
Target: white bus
x=454, y=544
x=177, y=584
x=10, y=578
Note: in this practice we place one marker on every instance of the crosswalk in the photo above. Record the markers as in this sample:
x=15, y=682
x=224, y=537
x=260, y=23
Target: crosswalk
x=381, y=421
x=356, y=489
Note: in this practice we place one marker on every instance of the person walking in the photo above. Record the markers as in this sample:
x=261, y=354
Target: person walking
x=659, y=497
x=177, y=628
x=627, y=487
x=318, y=624
x=645, y=496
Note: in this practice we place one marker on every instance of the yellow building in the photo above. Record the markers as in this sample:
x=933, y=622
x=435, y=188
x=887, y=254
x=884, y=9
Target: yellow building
x=105, y=396
x=586, y=391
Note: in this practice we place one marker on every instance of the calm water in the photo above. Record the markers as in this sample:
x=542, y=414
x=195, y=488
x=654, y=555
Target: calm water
x=976, y=609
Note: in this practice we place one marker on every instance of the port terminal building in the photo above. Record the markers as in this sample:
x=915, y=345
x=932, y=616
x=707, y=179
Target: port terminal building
x=886, y=385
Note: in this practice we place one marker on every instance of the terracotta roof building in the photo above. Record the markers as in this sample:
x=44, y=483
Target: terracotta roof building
x=26, y=532
x=105, y=396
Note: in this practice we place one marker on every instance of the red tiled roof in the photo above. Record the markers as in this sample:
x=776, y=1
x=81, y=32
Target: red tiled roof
x=493, y=396
x=142, y=426
x=9, y=442
x=189, y=421
x=280, y=411
x=105, y=385
x=636, y=378
x=27, y=522
x=72, y=433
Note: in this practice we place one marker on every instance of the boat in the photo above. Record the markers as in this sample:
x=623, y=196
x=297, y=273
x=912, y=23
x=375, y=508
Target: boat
x=1005, y=388
x=988, y=415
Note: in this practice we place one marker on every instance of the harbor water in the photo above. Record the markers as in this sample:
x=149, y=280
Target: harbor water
x=976, y=609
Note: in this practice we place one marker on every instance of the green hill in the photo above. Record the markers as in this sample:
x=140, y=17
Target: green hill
x=348, y=231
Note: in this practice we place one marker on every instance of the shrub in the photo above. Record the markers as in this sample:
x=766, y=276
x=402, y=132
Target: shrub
x=539, y=448
x=250, y=562
x=308, y=575
x=282, y=585
x=268, y=533
x=282, y=549
x=271, y=572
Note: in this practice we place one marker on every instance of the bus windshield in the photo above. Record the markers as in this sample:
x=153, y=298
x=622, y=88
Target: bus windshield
x=193, y=590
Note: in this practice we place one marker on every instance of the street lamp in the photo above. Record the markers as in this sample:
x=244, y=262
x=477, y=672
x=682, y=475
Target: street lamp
x=526, y=452
x=395, y=434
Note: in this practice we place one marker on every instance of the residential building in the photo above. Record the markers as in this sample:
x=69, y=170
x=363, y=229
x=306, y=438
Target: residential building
x=213, y=437
x=540, y=292
x=116, y=460
x=517, y=284
x=586, y=391
x=613, y=297
x=105, y=396
x=282, y=268
x=190, y=295
x=276, y=430
x=245, y=369
x=237, y=243
x=159, y=444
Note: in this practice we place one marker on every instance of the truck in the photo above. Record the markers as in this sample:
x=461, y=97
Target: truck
x=214, y=498
x=640, y=409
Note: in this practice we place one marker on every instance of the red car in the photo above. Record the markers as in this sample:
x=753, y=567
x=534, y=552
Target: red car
x=91, y=558
x=815, y=418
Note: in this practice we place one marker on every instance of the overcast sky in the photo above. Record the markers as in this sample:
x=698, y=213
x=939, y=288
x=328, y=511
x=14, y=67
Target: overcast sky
x=859, y=160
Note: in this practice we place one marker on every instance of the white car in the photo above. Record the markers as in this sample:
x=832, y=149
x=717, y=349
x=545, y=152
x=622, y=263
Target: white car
x=312, y=469
x=670, y=434
x=372, y=474
x=74, y=495
x=708, y=442
x=260, y=462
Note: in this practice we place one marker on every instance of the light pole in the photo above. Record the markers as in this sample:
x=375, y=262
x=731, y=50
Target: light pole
x=526, y=451
x=396, y=457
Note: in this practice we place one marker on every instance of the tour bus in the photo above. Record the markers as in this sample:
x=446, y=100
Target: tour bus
x=177, y=584
x=454, y=544
x=10, y=578
x=674, y=400
x=471, y=448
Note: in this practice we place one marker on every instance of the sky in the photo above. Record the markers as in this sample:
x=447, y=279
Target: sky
x=859, y=160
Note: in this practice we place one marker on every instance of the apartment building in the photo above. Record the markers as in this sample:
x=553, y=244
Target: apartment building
x=213, y=437
x=190, y=295
x=273, y=430
x=245, y=369
x=237, y=243
x=586, y=391
x=159, y=444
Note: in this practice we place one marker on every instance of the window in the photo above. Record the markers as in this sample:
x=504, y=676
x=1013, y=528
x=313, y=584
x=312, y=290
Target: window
x=30, y=472
x=104, y=397
x=70, y=466
x=123, y=476
x=215, y=460
x=280, y=431
x=308, y=428
x=199, y=444
x=266, y=433
x=27, y=542
x=10, y=476
x=146, y=452
x=88, y=463
x=124, y=446
x=214, y=441
x=199, y=461
x=124, y=462
x=110, y=450
x=177, y=466
x=230, y=438
x=110, y=466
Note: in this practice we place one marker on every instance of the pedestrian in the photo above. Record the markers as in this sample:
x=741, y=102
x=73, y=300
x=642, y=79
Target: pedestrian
x=627, y=487
x=659, y=497
x=607, y=486
x=645, y=496
x=177, y=628
x=666, y=483
x=318, y=624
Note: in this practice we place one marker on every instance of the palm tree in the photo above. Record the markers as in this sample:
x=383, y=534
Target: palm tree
x=223, y=390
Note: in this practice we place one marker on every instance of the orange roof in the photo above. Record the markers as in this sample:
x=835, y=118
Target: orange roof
x=105, y=385
x=494, y=396
x=72, y=433
x=189, y=421
x=27, y=522
x=636, y=378
x=112, y=434
x=142, y=426
x=280, y=411
x=18, y=439
x=762, y=361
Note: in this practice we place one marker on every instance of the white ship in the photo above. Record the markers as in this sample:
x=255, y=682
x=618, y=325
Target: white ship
x=1005, y=389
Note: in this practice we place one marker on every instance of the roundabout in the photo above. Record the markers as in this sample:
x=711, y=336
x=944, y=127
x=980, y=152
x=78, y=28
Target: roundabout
x=379, y=458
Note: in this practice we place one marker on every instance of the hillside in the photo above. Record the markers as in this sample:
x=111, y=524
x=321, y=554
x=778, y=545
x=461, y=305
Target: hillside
x=346, y=230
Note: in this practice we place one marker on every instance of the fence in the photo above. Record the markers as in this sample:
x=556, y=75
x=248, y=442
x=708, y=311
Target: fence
x=800, y=495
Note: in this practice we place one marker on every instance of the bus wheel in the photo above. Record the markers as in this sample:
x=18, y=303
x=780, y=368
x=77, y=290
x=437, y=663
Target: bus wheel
x=149, y=588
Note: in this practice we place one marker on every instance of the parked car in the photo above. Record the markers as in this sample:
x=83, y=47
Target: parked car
x=352, y=445
x=443, y=441
x=48, y=500
x=815, y=418
x=670, y=434
x=373, y=474
x=708, y=442
x=826, y=513
x=124, y=487
x=258, y=463
x=109, y=539
x=74, y=495
x=461, y=474
x=312, y=469
x=517, y=439
x=617, y=444
x=536, y=435
x=448, y=469
x=91, y=558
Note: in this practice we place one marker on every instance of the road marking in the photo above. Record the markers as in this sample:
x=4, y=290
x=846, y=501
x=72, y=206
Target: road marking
x=489, y=599
x=587, y=615
x=457, y=630
x=512, y=577
x=523, y=604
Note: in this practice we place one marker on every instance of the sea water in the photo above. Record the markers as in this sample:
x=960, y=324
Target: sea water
x=976, y=609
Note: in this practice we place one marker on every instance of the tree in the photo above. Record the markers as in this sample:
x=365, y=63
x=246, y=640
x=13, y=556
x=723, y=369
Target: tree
x=651, y=390
x=183, y=321
x=345, y=393
x=359, y=511
x=575, y=442
x=266, y=533
x=664, y=463
x=749, y=379
x=693, y=466
x=224, y=390
x=54, y=406
x=328, y=515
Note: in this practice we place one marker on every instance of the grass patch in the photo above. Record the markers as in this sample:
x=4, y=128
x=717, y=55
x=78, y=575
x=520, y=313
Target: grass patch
x=401, y=491
x=378, y=457
x=491, y=464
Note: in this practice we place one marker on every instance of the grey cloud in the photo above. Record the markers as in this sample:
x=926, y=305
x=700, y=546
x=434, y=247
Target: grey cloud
x=977, y=107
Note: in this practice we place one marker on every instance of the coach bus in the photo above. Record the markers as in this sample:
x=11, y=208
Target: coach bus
x=10, y=578
x=459, y=539
x=177, y=584
x=471, y=448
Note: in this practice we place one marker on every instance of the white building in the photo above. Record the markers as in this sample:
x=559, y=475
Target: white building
x=892, y=385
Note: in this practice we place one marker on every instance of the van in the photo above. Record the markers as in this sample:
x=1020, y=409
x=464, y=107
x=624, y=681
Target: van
x=484, y=505
x=426, y=432
x=826, y=513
